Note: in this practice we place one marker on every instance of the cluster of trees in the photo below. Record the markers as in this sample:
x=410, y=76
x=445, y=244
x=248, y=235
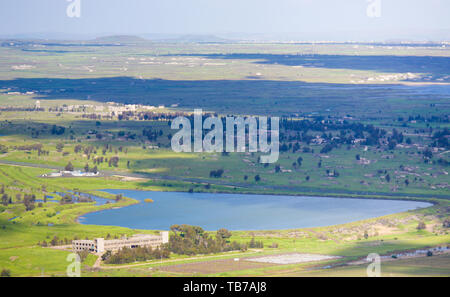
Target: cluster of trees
x=6, y=199
x=113, y=161
x=348, y=132
x=78, y=148
x=421, y=226
x=30, y=147
x=295, y=131
x=430, y=119
x=191, y=240
x=57, y=130
x=93, y=116
x=21, y=109
x=254, y=244
x=66, y=199
x=43, y=152
x=5, y=273
x=152, y=135
x=59, y=146
x=99, y=160
x=3, y=149
x=129, y=255
x=93, y=169
x=395, y=139
x=55, y=241
x=440, y=139
x=29, y=201
x=69, y=167
x=216, y=173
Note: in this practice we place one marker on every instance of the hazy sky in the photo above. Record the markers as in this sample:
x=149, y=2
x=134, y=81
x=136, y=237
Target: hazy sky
x=313, y=19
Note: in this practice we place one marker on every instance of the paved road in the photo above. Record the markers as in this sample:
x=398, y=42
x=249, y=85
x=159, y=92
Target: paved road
x=290, y=188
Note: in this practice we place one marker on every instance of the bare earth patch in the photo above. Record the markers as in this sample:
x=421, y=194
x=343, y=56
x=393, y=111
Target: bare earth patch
x=130, y=178
x=292, y=258
x=216, y=266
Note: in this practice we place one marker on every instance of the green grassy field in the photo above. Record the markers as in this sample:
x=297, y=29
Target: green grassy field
x=22, y=256
x=389, y=87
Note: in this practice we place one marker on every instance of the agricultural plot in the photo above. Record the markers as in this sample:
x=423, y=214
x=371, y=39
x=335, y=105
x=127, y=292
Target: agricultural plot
x=364, y=122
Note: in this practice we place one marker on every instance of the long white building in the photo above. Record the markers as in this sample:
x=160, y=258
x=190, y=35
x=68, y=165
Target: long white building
x=100, y=245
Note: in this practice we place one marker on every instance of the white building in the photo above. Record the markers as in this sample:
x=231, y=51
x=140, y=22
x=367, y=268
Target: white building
x=100, y=245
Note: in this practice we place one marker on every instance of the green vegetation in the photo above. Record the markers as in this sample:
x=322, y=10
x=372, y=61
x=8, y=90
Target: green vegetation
x=193, y=240
x=370, y=122
x=128, y=255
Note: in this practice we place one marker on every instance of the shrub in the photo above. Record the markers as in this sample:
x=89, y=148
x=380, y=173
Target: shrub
x=421, y=226
x=5, y=273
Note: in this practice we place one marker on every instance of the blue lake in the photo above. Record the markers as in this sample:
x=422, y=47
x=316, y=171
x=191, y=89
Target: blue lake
x=241, y=211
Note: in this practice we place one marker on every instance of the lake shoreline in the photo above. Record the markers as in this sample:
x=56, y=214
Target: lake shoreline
x=365, y=212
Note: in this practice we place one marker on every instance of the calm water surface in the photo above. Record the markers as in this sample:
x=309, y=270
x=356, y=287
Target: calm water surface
x=241, y=211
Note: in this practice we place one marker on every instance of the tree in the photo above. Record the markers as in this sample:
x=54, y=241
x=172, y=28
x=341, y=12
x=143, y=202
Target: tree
x=114, y=161
x=392, y=144
x=59, y=147
x=421, y=226
x=69, y=167
x=106, y=255
x=257, y=178
x=5, y=199
x=277, y=168
x=86, y=167
x=28, y=201
x=67, y=199
x=3, y=149
x=223, y=233
x=216, y=173
x=255, y=244
x=78, y=148
x=446, y=224
x=428, y=154
x=5, y=273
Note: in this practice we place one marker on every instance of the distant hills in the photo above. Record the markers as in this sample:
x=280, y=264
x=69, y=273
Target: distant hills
x=119, y=39
x=170, y=38
x=189, y=38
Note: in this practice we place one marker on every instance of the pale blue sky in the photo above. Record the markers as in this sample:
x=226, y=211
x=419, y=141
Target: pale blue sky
x=311, y=19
